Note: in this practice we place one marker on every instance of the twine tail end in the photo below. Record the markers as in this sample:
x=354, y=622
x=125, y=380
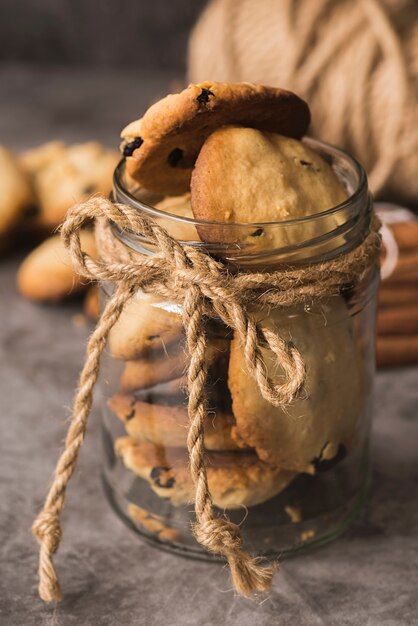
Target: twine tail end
x=249, y=574
x=49, y=586
x=50, y=589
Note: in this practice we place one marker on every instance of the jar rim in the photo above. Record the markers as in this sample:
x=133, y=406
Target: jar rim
x=121, y=193
x=304, y=239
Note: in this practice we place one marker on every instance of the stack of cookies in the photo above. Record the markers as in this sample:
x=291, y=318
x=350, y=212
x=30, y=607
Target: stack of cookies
x=152, y=404
x=227, y=154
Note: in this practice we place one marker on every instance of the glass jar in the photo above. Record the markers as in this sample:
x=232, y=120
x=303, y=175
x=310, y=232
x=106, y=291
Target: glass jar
x=291, y=478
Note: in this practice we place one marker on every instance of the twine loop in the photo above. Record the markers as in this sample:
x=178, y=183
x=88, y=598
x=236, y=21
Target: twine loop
x=205, y=288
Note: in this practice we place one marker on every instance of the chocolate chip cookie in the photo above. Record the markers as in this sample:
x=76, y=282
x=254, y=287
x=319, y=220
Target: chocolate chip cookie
x=235, y=479
x=324, y=421
x=161, y=147
x=246, y=176
x=163, y=365
x=180, y=207
x=147, y=324
x=166, y=424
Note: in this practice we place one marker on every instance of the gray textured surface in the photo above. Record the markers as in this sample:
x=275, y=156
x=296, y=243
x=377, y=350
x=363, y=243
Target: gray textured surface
x=110, y=578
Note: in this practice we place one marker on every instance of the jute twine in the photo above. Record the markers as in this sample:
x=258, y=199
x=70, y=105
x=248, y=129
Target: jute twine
x=354, y=61
x=206, y=289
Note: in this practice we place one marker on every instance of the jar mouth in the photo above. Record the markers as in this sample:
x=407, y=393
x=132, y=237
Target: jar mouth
x=349, y=218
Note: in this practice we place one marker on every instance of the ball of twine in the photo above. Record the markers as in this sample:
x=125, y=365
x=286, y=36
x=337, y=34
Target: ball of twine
x=354, y=61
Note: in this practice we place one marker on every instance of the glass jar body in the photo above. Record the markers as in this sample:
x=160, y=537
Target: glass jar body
x=291, y=477
x=287, y=484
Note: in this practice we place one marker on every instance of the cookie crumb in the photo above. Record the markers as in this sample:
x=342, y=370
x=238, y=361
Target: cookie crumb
x=169, y=534
x=307, y=534
x=152, y=523
x=294, y=513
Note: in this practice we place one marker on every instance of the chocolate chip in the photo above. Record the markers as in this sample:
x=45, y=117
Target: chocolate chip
x=131, y=146
x=130, y=415
x=88, y=189
x=162, y=478
x=310, y=165
x=323, y=465
x=257, y=233
x=203, y=97
x=175, y=156
x=32, y=211
x=153, y=337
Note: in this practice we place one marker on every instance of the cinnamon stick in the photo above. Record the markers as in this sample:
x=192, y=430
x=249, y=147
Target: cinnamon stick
x=406, y=268
x=406, y=234
x=397, y=294
x=407, y=265
x=398, y=320
x=393, y=351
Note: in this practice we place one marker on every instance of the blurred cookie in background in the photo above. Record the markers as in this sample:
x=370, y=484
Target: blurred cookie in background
x=36, y=159
x=91, y=303
x=63, y=175
x=47, y=274
x=16, y=196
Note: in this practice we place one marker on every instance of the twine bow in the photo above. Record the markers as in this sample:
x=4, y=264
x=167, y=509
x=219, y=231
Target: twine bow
x=205, y=289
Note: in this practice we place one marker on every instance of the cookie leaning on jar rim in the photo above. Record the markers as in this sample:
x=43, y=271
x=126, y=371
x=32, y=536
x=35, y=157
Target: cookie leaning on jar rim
x=232, y=154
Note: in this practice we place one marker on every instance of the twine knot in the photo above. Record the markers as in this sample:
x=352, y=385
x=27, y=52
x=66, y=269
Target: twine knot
x=204, y=288
x=47, y=529
x=218, y=534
